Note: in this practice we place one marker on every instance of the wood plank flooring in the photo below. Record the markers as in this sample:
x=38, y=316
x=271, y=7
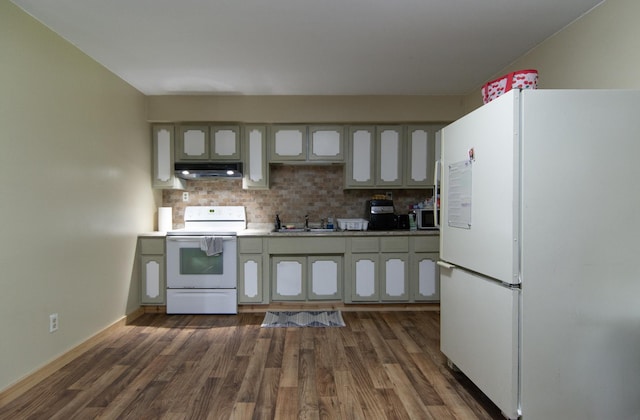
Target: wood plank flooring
x=382, y=365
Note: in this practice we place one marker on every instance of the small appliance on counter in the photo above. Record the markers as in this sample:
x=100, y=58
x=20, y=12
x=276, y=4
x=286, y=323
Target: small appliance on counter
x=381, y=215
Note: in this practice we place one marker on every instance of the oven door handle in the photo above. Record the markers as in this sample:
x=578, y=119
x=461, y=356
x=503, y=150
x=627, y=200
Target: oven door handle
x=196, y=238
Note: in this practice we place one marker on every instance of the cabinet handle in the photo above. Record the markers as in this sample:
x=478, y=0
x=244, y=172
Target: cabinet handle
x=436, y=177
x=445, y=264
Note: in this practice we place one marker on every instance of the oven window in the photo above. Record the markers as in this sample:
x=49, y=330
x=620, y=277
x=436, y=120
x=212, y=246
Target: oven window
x=195, y=261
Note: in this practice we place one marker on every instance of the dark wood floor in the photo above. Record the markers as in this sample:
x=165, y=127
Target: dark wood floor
x=382, y=365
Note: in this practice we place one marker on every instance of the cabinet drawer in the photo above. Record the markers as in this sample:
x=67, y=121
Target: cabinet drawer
x=426, y=244
x=309, y=245
x=250, y=245
x=152, y=246
x=394, y=244
x=365, y=244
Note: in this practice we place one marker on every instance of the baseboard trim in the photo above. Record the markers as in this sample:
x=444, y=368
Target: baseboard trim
x=32, y=379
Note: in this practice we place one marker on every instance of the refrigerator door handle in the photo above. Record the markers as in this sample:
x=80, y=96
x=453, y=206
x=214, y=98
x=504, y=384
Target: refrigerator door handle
x=445, y=264
x=436, y=178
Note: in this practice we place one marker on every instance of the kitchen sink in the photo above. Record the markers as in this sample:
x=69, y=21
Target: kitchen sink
x=311, y=230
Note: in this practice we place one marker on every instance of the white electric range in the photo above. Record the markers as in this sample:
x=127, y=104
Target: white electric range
x=202, y=261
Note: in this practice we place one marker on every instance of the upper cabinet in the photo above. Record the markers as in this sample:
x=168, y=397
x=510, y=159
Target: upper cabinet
x=375, y=156
x=422, y=155
x=205, y=142
x=287, y=143
x=301, y=143
x=391, y=156
x=256, y=169
x=326, y=143
x=163, y=142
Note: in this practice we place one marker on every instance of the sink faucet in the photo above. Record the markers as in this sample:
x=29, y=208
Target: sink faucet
x=306, y=222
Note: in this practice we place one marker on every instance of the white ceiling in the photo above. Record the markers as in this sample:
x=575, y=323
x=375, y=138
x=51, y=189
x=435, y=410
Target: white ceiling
x=315, y=47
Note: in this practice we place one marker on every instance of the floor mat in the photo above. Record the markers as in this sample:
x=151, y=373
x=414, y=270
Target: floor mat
x=303, y=319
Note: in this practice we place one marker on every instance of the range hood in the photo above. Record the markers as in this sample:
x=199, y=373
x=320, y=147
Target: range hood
x=208, y=170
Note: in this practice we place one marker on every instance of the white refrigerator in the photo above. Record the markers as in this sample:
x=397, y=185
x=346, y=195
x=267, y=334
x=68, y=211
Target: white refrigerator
x=540, y=252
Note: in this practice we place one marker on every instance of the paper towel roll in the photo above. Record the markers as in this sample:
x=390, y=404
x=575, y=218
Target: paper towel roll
x=165, y=219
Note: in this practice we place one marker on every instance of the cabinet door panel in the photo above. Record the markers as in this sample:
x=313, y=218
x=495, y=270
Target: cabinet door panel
x=326, y=143
x=364, y=278
x=288, y=143
x=395, y=277
x=256, y=170
x=426, y=275
x=325, y=277
x=225, y=143
x=250, y=279
x=152, y=276
x=288, y=278
x=361, y=157
x=192, y=143
x=389, y=156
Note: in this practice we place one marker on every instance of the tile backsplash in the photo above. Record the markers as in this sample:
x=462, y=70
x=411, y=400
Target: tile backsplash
x=295, y=191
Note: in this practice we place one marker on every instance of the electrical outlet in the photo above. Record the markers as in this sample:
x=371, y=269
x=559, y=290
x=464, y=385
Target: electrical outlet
x=185, y=196
x=53, y=323
x=389, y=195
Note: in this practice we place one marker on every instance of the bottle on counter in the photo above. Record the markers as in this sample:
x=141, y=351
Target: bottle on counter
x=278, y=224
x=412, y=221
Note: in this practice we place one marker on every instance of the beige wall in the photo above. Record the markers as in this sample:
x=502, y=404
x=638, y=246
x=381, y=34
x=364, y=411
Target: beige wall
x=302, y=109
x=598, y=51
x=75, y=192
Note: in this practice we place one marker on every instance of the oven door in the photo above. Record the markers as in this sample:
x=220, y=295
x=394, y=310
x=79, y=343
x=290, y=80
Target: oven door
x=189, y=267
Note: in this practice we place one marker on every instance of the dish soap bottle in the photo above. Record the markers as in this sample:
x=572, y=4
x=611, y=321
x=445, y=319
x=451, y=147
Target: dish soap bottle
x=278, y=224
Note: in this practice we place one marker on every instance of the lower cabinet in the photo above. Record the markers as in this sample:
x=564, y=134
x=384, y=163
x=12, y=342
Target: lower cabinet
x=299, y=278
x=352, y=269
x=425, y=275
x=251, y=278
x=379, y=268
x=152, y=271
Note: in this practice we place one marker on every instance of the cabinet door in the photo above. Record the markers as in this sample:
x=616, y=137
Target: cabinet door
x=394, y=277
x=364, y=278
x=360, y=159
x=421, y=155
x=326, y=143
x=288, y=142
x=225, y=143
x=425, y=277
x=250, y=278
x=152, y=286
x=163, y=139
x=192, y=142
x=256, y=170
x=288, y=278
x=325, y=277
x=389, y=156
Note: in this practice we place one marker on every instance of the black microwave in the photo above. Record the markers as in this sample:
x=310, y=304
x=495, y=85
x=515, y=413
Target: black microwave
x=427, y=218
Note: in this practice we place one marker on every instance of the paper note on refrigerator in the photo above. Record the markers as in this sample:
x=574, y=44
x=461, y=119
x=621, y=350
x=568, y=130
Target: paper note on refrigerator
x=459, y=194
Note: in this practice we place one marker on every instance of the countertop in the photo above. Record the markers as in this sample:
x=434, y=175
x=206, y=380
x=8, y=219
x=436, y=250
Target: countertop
x=266, y=229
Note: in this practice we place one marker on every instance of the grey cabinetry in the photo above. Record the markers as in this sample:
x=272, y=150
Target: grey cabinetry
x=251, y=279
x=394, y=268
x=316, y=277
x=389, y=156
x=208, y=143
x=302, y=143
x=163, y=148
x=192, y=142
x=375, y=156
x=421, y=155
x=306, y=268
x=425, y=275
x=326, y=143
x=287, y=143
x=256, y=169
x=152, y=270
